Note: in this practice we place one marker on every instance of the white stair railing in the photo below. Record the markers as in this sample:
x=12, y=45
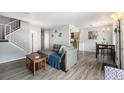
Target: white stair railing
x=6, y=29
x=12, y=26
x=10, y=32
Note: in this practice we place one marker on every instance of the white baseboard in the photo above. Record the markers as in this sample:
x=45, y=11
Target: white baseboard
x=11, y=60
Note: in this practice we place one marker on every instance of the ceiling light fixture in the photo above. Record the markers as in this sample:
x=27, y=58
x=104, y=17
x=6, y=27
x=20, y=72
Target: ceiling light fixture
x=118, y=16
x=27, y=13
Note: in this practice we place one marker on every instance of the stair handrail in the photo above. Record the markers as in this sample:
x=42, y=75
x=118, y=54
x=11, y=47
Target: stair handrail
x=12, y=21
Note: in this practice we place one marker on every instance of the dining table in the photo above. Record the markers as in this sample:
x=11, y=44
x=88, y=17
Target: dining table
x=100, y=49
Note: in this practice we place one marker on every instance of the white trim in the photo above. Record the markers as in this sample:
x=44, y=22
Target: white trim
x=11, y=60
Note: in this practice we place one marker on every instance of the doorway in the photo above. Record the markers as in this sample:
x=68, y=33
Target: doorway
x=42, y=39
x=2, y=32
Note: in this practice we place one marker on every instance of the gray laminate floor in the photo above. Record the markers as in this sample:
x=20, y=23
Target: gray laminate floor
x=87, y=68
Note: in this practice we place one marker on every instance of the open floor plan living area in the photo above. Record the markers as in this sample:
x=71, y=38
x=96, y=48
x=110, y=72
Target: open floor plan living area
x=61, y=46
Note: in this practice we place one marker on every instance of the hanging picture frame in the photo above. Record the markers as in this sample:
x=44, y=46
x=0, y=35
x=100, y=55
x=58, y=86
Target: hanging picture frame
x=92, y=35
x=60, y=34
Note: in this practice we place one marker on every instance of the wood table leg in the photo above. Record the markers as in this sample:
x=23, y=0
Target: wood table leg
x=33, y=68
x=97, y=52
x=44, y=64
x=26, y=62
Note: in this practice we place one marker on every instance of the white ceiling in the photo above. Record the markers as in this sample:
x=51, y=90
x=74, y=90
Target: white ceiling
x=48, y=19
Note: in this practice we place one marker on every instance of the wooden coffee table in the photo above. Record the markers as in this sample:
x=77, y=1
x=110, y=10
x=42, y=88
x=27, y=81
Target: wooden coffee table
x=35, y=62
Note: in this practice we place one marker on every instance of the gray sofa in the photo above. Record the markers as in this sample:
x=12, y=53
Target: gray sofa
x=69, y=56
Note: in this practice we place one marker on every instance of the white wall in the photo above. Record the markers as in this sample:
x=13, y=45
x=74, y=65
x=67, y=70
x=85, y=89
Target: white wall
x=37, y=37
x=115, y=40
x=114, y=34
x=90, y=45
x=64, y=40
x=23, y=37
x=73, y=28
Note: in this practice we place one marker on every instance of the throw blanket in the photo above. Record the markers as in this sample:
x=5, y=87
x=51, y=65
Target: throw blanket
x=54, y=61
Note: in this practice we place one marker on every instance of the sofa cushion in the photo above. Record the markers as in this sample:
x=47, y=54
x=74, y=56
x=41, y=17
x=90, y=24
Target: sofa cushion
x=46, y=52
x=56, y=47
x=61, y=50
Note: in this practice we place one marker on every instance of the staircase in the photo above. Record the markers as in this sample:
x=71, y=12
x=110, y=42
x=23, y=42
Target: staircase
x=9, y=48
x=6, y=29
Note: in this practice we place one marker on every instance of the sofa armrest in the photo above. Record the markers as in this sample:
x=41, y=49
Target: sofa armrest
x=70, y=58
